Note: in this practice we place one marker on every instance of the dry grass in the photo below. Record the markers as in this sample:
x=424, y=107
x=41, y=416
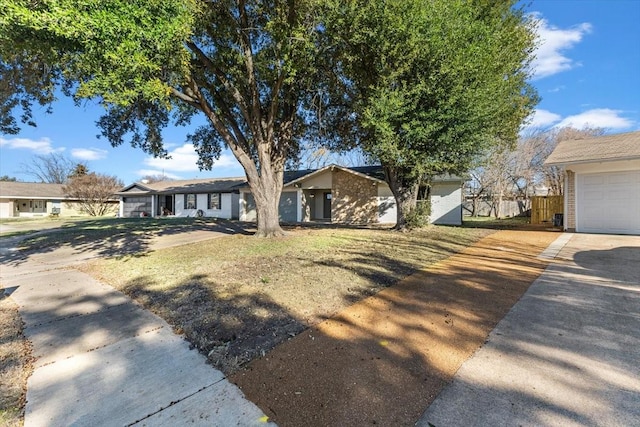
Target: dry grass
x=237, y=297
x=15, y=364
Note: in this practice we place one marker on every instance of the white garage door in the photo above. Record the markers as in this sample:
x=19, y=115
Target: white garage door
x=609, y=203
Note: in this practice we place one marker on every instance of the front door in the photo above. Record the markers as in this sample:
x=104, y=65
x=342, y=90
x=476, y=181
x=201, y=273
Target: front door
x=326, y=212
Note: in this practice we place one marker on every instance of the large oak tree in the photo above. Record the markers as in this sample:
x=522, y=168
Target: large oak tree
x=424, y=86
x=247, y=66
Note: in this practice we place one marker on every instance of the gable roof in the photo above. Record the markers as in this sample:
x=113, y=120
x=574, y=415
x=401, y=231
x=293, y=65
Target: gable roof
x=210, y=185
x=370, y=172
x=622, y=146
x=31, y=190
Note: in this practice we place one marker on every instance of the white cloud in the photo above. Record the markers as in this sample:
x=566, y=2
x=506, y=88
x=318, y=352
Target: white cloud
x=40, y=146
x=543, y=118
x=553, y=42
x=185, y=159
x=597, y=117
x=88, y=153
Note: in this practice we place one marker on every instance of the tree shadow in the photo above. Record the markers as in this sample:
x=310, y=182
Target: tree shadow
x=116, y=237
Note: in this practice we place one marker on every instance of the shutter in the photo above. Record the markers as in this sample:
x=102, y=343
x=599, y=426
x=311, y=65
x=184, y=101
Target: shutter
x=184, y=196
x=209, y=201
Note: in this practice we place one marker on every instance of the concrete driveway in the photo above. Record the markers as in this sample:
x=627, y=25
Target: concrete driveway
x=567, y=354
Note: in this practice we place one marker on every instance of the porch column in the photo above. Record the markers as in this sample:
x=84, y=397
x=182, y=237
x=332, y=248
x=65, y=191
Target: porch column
x=299, y=207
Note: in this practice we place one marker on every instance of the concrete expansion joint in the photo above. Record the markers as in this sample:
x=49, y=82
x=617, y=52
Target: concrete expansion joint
x=71, y=316
x=175, y=402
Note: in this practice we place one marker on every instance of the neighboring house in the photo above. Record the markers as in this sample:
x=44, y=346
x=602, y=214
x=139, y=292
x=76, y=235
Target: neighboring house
x=602, y=183
x=336, y=194
x=187, y=198
x=33, y=199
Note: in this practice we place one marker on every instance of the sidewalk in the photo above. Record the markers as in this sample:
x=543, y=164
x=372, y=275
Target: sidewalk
x=103, y=360
x=567, y=354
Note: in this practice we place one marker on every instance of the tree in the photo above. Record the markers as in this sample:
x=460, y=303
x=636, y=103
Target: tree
x=53, y=168
x=79, y=170
x=425, y=86
x=94, y=192
x=247, y=66
x=7, y=178
x=543, y=143
x=155, y=178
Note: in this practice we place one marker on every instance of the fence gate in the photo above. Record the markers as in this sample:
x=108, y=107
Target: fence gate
x=543, y=208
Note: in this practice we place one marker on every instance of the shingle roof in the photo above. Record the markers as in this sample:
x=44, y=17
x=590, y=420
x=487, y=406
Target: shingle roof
x=27, y=190
x=210, y=185
x=622, y=146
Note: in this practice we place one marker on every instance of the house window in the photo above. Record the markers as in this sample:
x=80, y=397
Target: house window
x=215, y=201
x=190, y=201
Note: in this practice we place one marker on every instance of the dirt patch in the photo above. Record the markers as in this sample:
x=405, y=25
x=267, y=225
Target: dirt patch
x=383, y=360
x=15, y=363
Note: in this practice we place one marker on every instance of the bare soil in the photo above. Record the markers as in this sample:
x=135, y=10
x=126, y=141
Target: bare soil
x=384, y=359
x=15, y=363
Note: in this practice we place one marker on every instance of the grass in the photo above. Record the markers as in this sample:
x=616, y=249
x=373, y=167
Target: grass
x=15, y=364
x=236, y=297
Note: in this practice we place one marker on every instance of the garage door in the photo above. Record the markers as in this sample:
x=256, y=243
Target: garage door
x=609, y=203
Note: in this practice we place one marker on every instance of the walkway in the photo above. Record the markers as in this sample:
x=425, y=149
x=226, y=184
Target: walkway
x=567, y=354
x=103, y=360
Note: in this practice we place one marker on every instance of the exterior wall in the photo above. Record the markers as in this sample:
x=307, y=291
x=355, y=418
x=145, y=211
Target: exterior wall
x=387, y=209
x=288, y=206
x=6, y=209
x=355, y=199
x=322, y=180
x=446, y=203
x=247, y=207
x=227, y=201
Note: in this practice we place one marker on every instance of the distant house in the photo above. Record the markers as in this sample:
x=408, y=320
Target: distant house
x=602, y=183
x=34, y=199
x=335, y=194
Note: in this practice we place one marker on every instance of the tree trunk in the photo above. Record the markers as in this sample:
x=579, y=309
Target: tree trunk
x=405, y=191
x=266, y=190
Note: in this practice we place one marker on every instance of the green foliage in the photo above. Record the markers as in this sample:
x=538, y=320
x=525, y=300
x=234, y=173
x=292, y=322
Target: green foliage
x=432, y=83
x=419, y=216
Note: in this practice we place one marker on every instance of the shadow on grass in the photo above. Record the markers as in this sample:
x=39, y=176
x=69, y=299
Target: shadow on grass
x=113, y=237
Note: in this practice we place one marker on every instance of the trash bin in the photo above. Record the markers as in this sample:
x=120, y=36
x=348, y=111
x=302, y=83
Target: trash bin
x=558, y=220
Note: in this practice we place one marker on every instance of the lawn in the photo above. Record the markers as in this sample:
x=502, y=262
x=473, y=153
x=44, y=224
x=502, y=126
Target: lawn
x=15, y=364
x=236, y=297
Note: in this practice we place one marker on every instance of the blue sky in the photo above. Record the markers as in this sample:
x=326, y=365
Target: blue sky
x=586, y=73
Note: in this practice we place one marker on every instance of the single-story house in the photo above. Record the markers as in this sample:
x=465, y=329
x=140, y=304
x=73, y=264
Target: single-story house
x=336, y=194
x=216, y=198
x=602, y=183
x=34, y=199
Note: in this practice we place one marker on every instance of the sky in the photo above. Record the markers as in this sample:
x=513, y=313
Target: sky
x=586, y=71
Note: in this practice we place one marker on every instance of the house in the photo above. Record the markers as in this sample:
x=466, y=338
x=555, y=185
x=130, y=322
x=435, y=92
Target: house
x=334, y=194
x=34, y=199
x=602, y=183
x=216, y=198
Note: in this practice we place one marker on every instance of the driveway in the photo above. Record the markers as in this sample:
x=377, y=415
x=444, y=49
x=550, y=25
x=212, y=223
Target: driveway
x=567, y=353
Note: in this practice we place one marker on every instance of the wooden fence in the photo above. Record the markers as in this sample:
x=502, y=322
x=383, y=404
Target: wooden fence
x=543, y=208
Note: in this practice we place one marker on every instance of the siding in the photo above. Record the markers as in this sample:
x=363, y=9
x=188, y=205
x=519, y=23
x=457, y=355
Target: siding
x=446, y=203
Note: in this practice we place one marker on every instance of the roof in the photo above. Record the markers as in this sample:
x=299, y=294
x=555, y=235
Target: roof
x=31, y=190
x=210, y=185
x=622, y=146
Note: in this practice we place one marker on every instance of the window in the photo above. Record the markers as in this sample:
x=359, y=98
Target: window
x=215, y=200
x=190, y=201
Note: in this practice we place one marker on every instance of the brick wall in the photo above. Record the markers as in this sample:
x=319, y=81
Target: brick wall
x=354, y=199
x=570, y=195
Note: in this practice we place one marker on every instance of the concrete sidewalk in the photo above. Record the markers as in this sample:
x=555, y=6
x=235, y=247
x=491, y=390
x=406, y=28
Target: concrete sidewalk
x=103, y=360
x=567, y=353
